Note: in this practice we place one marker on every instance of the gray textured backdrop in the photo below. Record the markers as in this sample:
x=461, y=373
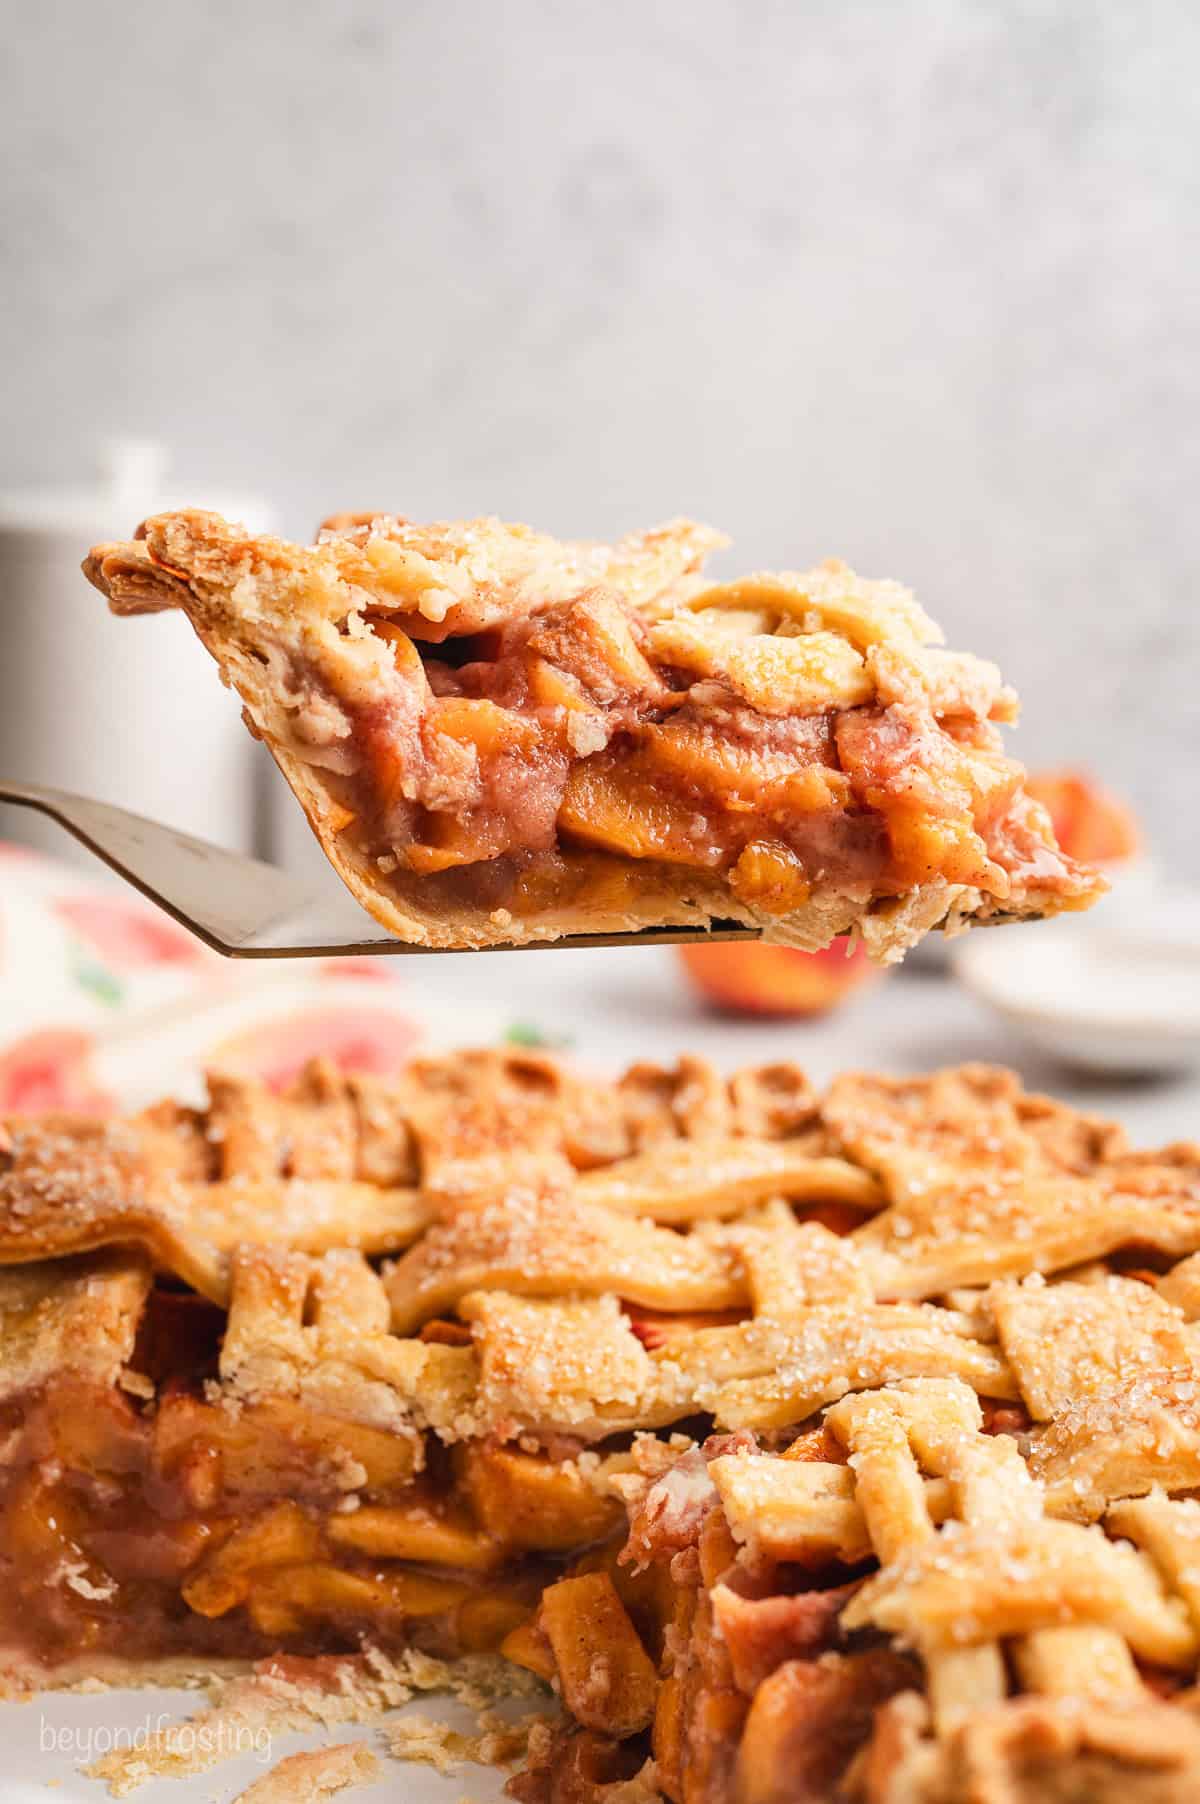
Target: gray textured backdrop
x=915, y=282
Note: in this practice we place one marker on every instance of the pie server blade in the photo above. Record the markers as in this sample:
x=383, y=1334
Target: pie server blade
x=244, y=908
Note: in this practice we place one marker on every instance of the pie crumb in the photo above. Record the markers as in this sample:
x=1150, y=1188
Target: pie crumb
x=499, y=1742
x=288, y=1694
x=308, y=1778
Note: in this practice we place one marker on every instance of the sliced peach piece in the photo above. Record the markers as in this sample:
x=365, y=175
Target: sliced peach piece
x=610, y=801
x=667, y=1737
x=527, y=1501
x=924, y=847
x=412, y=1532
x=812, y=789
x=550, y=687
x=699, y=754
x=451, y=840
x=283, y=1535
x=405, y=655
x=267, y=1446
x=283, y=1600
x=608, y=1679
x=391, y=775
x=649, y=1594
x=490, y=728
x=525, y=1645
x=769, y=875
x=485, y=1621
x=593, y=640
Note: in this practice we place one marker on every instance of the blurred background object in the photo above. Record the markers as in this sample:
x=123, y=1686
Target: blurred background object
x=776, y=980
x=1117, y=993
x=85, y=704
x=106, y=1004
x=1116, y=990
x=1090, y=823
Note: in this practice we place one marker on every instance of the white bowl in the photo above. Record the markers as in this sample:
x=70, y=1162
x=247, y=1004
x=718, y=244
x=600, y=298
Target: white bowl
x=1119, y=994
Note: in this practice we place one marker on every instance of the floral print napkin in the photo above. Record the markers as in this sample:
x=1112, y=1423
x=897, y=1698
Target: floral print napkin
x=105, y=1003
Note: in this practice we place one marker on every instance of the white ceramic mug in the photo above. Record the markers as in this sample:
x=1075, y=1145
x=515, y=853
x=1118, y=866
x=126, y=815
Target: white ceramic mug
x=129, y=711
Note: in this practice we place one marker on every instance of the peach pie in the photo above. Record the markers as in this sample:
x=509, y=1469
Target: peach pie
x=498, y=738
x=808, y=1447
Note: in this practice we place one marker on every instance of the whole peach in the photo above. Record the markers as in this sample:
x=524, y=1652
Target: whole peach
x=750, y=978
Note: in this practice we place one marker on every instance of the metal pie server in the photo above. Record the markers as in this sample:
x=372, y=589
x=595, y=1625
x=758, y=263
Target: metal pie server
x=244, y=908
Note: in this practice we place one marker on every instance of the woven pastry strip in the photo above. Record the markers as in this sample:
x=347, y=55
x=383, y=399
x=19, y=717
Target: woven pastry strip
x=568, y=1224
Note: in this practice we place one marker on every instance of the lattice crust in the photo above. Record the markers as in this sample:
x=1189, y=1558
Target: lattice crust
x=189, y=1189
x=355, y=1161
x=989, y=1183
x=1065, y=1341
x=317, y=1329
x=464, y=576
x=944, y=1132
x=992, y=1590
x=625, y=747
x=622, y=1255
x=1038, y=1750
x=1121, y=1443
x=817, y=1333
x=1001, y=1568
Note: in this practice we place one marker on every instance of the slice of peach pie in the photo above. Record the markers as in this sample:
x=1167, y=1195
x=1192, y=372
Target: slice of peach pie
x=809, y=1448
x=499, y=738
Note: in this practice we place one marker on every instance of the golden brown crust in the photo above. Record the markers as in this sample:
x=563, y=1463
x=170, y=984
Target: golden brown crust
x=76, y=1318
x=142, y=578
x=484, y=571
x=1036, y=1751
x=307, y=1778
x=525, y=1201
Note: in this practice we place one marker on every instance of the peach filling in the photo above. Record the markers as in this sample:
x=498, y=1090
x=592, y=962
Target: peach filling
x=556, y=746
x=194, y=1530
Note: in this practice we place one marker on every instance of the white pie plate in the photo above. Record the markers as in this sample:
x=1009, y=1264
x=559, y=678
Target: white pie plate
x=1117, y=993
